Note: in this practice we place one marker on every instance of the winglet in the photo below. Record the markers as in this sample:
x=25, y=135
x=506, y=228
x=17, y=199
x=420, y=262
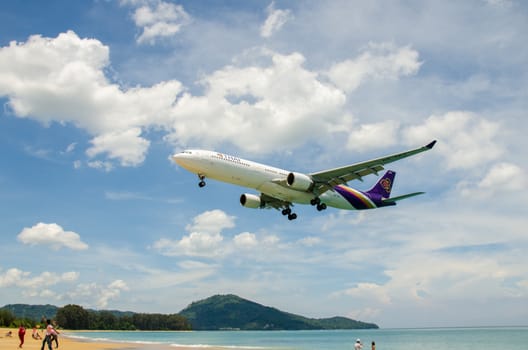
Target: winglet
x=431, y=145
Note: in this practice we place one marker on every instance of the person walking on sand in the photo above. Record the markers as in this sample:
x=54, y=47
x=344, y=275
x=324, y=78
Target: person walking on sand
x=55, y=336
x=49, y=332
x=21, y=335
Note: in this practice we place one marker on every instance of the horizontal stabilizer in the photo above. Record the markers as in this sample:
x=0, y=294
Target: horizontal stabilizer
x=399, y=198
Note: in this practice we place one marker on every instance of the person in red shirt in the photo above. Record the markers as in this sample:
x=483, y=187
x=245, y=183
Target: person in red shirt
x=21, y=335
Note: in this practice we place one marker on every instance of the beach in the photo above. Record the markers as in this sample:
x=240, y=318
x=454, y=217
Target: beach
x=65, y=342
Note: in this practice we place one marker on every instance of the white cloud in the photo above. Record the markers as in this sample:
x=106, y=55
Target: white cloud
x=276, y=19
x=466, y=140
x=19, y=278
x=281, y=104
x=504, y=176
x=501, y=178
x=372, y=136
x=126, y=146
x=157, y=19
x=52, y=235
x=204, y=239
x=213, y=221
x=98, y=164
x=95, y=294
x=378, y=61
x=62, y=80
x=245, y=240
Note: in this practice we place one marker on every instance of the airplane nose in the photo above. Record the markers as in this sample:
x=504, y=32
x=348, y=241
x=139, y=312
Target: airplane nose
x=178, y=158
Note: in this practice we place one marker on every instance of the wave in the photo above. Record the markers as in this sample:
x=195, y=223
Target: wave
x=147, y=342
x=205, y=346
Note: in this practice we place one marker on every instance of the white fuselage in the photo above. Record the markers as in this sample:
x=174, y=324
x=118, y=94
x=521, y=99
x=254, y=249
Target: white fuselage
x=261, y=177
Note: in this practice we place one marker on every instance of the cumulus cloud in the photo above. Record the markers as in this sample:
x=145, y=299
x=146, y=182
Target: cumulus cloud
x=376, y=135
x=19, y=278
x=277, y=102
x=245, y=240
x=52, y=235
x=157, y=19
x=282, y=103
x=378, y=61
x=126, y=146
x=95, y=294
x=205, y=238
x=276, y=19
x=501, y=178
x=466, y=140
x=62, y=80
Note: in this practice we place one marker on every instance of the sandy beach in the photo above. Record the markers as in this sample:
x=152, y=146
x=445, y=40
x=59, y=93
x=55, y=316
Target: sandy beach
x=10, y=343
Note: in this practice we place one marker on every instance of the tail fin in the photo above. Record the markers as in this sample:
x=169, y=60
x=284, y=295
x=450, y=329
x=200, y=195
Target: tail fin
x=384, y=185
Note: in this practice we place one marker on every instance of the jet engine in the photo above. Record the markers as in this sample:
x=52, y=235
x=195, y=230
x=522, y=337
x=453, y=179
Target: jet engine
x=299, y=181
x=250, y=201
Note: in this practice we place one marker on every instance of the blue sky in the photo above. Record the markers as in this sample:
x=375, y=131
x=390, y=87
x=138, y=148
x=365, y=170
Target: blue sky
x=96, y=96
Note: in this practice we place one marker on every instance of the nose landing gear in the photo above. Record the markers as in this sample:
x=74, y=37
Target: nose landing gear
x=202, y=182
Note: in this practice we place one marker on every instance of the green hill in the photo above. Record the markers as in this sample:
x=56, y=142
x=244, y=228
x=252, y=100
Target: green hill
x=38, y=312
x=232, y=312
x=215, y=313
x=32, y=312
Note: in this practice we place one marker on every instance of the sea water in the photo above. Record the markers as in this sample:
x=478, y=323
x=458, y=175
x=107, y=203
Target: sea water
x=510, y=338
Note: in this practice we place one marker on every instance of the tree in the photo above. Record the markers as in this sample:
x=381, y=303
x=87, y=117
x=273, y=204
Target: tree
x=73, y=317
x=6, y=318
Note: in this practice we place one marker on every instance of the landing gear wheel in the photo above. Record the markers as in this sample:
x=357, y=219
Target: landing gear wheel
x=202, y=182
x=315, y=201
x=321, y=206
x=286, y=211
x=292, y=216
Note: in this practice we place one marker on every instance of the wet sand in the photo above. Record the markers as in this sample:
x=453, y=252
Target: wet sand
x=66, y=343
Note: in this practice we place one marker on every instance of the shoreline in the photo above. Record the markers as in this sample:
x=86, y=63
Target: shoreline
x=68, y=342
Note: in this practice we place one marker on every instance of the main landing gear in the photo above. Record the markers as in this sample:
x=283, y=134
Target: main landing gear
x=202, y=182
x=317, y=203
x=287, y=211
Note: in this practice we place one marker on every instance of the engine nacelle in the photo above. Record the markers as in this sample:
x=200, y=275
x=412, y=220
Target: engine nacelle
x=299, y=181
x=250, y=201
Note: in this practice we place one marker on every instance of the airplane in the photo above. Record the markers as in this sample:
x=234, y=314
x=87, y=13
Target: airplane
x=280, y=189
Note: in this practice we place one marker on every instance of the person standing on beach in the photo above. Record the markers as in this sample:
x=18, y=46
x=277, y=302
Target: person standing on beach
x=21, y=335
x=49, y=332
x=55, y=335
x=358, y=345
x=373, y=346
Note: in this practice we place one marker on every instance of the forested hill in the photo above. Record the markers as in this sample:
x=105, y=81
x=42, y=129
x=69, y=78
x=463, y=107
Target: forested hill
x=215, y=313
x=32, y=312
x=39, y=312
x=233, y=312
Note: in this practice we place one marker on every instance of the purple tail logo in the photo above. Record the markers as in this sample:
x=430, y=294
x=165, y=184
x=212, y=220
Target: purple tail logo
x=384, y=186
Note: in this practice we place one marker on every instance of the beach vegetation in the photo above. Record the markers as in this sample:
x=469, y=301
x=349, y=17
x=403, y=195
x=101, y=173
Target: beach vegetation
x=76, y=317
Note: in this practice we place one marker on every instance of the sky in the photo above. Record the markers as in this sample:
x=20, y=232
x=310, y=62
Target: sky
x=96, y=96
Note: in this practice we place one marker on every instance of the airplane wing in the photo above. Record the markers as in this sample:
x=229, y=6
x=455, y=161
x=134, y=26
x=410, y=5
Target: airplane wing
x=326, y=180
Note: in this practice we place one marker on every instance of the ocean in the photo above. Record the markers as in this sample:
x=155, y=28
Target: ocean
x=509, y=338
